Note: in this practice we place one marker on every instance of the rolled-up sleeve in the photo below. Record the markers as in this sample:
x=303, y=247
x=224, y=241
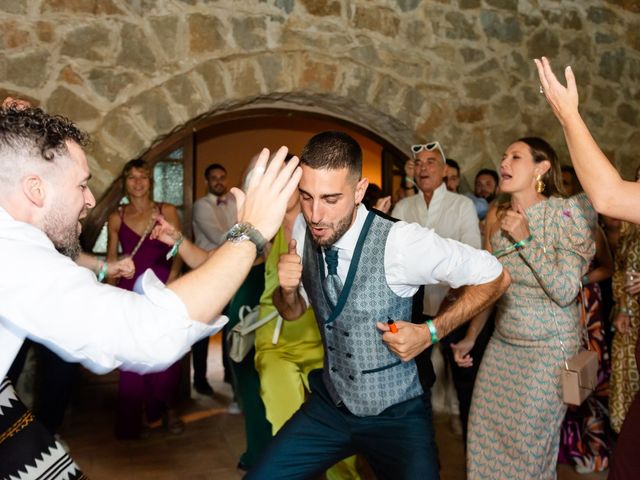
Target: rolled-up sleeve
x=417, y=256
x=50, y=299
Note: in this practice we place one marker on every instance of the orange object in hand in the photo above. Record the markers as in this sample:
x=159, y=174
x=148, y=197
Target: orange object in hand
x=392, y=325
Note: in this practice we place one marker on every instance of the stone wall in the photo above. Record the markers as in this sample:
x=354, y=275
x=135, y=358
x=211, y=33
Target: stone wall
x=131, y=71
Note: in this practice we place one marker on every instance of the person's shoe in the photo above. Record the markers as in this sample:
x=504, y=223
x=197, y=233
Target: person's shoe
x=175, y=425
x=234, y=408
x=203, y=388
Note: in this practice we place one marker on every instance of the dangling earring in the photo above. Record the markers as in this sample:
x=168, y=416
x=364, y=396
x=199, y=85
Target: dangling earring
x=540, y=186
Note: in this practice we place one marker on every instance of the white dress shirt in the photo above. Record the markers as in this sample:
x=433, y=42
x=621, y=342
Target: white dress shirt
x=211, y=221
x=450, y=215
x=414, y=256
x=49, y=298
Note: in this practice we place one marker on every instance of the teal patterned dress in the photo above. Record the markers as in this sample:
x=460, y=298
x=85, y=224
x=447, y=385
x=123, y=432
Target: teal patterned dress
x=517, y=407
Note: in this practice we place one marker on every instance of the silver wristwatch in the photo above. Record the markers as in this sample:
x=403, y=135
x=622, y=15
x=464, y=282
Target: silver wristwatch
x=243, y=231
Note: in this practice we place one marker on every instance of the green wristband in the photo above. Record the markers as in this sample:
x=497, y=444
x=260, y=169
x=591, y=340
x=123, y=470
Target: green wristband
x=523, y=243
x=102, y=270
x=176, y=246
x=433, y=331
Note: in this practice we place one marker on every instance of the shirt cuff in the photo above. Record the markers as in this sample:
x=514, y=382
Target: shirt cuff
x=166, y=299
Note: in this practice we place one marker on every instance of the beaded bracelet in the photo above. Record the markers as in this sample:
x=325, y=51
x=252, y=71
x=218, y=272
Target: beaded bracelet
x=176, y=246
x=102, y=270
x=433, y=332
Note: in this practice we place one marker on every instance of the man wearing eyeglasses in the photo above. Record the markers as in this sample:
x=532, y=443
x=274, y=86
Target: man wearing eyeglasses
x=452, y=216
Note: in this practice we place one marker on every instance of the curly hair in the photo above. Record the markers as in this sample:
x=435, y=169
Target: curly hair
x=32, y=128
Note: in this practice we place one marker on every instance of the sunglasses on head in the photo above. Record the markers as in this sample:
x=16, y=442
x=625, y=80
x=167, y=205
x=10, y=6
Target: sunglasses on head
x=429, y=147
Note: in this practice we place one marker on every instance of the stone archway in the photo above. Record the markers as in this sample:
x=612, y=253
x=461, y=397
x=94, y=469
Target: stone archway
x=283, y=115
x=131, y=72
x=348, y=91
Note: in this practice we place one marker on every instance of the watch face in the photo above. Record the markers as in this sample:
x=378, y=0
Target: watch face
x=238, y=230
x=245, y=231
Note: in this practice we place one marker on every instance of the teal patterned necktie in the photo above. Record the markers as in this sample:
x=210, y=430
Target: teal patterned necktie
x=332, y=284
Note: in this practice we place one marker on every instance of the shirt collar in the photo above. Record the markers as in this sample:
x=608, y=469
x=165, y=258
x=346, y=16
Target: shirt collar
x=350, y=238
x=12, y=229
x=440, y=191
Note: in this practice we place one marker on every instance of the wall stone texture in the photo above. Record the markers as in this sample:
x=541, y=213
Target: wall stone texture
x=461, y=71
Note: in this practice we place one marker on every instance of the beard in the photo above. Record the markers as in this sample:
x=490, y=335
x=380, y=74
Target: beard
x=63, y=233
x=219, y=190
x=339, y=229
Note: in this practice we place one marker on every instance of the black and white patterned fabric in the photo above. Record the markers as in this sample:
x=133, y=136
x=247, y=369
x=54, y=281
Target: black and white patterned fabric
x=27, y=450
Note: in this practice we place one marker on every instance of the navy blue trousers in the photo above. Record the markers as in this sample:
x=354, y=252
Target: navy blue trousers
x=398, y=443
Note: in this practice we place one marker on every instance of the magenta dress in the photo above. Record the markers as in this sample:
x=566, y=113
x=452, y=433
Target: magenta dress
x=151, y=393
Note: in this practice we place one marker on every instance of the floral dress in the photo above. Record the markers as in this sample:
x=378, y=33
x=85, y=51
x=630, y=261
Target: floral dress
x=517, y=407
x=624, y=372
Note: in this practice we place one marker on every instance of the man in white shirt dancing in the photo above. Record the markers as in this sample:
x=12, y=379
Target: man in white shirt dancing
x=44, y=295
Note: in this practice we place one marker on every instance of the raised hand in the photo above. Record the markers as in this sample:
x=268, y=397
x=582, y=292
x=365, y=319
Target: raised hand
x=515, y=224
x=410, y=168
x=563, y=100
x=164, y=231
x=290, y=269
x=268, y=191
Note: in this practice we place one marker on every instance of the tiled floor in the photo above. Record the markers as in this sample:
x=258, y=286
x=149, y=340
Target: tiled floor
x=208, y=449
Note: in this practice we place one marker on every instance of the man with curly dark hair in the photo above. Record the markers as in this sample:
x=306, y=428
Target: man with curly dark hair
x=45, y=296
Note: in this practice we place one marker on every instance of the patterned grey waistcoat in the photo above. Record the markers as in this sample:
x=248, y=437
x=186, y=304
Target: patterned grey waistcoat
x=359, y=369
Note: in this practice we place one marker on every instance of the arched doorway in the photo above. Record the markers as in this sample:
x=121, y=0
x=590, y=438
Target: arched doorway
x=232, y=139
